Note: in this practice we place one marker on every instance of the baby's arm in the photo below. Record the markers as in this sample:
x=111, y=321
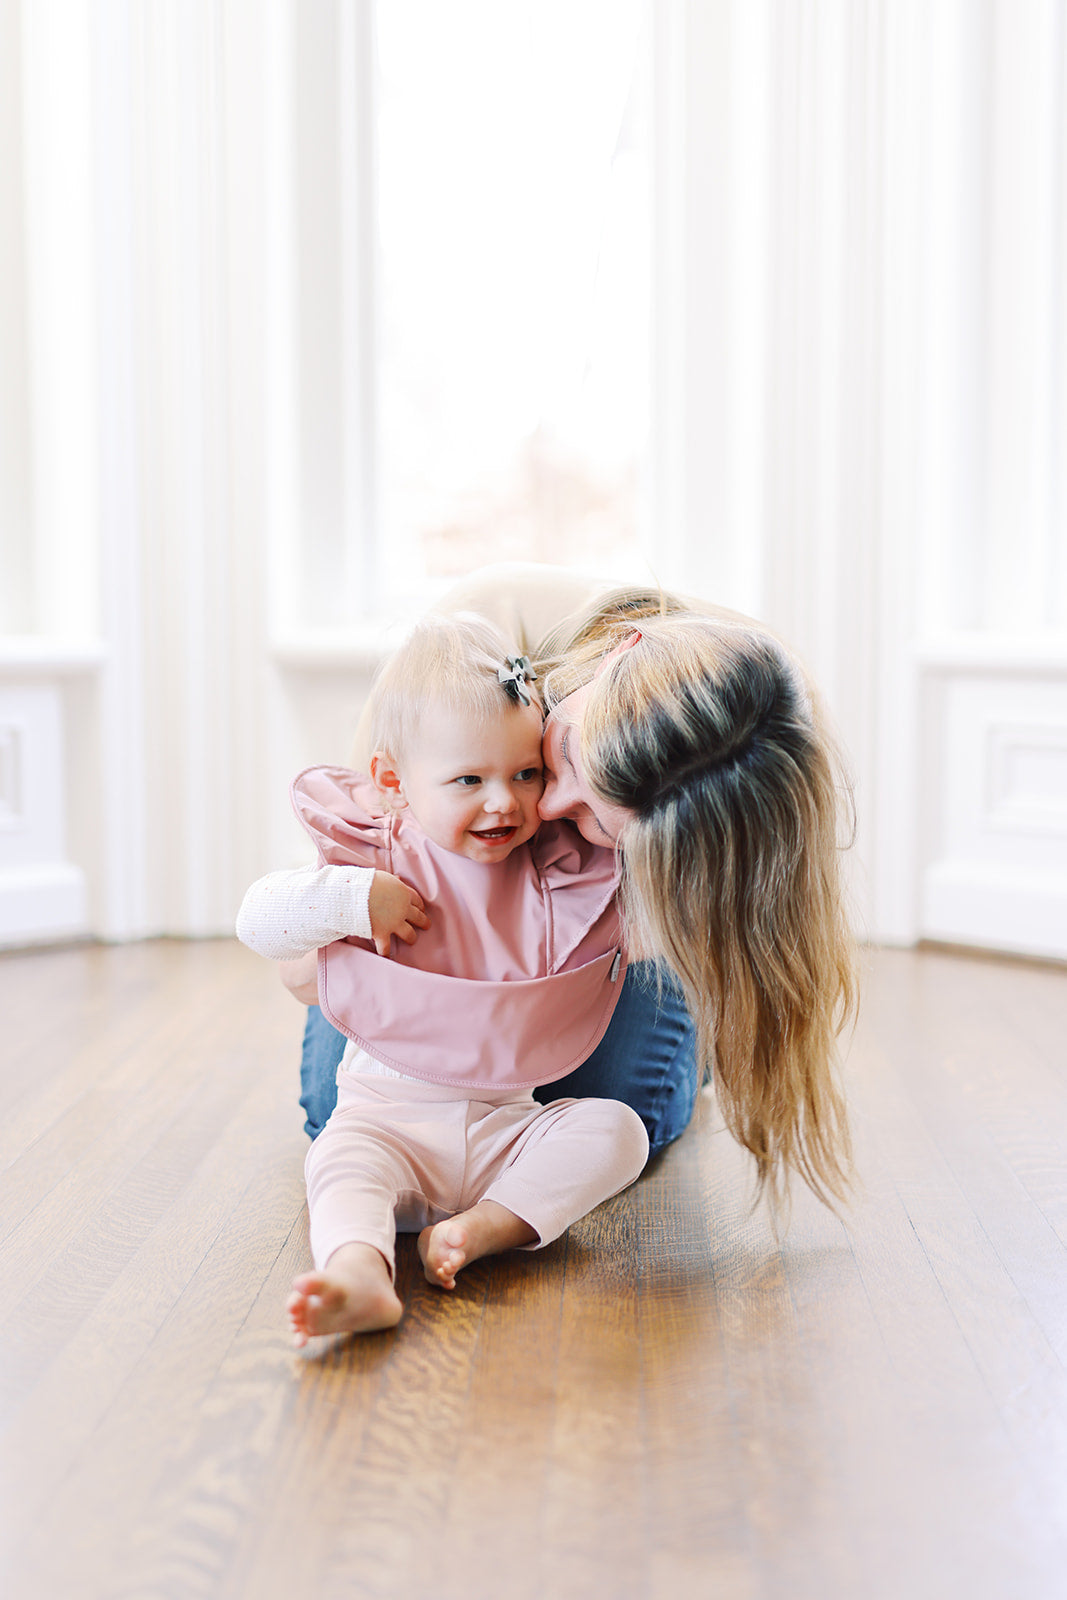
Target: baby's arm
x=288, y=914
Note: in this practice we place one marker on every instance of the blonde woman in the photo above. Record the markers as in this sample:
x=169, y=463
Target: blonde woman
x=689, y=738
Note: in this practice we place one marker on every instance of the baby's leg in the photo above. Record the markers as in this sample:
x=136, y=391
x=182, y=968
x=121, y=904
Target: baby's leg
x=354, y=1178
x=353, y=1294
x=566, y=1159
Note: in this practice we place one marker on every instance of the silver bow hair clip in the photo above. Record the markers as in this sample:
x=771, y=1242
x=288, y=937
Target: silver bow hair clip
x=516, y=672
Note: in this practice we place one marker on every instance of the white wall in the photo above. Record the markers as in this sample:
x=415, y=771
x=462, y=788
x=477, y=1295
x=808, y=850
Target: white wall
x=861, y=428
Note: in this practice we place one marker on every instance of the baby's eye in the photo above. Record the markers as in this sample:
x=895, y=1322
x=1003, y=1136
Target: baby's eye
x=469, y=779
x=528, y=774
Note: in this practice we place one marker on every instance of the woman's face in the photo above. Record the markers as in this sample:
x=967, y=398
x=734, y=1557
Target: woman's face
x=567, y=792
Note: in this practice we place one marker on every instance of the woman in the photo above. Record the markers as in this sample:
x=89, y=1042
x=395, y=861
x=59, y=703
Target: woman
x=688, y=738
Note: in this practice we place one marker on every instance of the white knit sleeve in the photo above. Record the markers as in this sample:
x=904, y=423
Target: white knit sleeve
x=286, y=914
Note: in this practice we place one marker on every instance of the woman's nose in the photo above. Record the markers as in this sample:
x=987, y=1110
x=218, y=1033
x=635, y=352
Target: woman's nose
x=553, y=801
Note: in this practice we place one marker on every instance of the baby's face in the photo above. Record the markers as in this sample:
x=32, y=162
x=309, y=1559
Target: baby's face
x=473, y=783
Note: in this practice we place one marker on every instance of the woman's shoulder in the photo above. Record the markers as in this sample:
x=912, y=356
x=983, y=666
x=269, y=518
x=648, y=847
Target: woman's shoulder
x=525, y=599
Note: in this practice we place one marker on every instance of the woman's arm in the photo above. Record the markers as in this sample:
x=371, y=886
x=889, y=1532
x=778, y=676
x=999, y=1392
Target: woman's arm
x=301, y=978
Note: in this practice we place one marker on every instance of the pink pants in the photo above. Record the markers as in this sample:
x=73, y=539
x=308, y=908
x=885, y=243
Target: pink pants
x=402, y=1155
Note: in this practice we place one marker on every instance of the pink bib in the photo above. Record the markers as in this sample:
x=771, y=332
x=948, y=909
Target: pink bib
x=517, y=979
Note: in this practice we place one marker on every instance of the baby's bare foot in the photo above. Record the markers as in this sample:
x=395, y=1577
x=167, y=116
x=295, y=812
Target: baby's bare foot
x=484, y=1230
x=354, y=1294
x=443, y=1249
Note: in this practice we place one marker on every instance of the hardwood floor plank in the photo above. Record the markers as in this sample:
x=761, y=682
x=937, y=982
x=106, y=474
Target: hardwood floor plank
x=113, y=1500
x=496, y=1502
x=402, y=1475
x=701, y=1537
x=85, y=1375
x=594, y=1515
x=91, y=1221
x=997, y=1072
x=125, y=1021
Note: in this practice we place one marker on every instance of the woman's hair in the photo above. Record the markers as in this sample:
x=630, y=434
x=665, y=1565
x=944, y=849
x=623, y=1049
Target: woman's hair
x=709, y=734
x=448, y=663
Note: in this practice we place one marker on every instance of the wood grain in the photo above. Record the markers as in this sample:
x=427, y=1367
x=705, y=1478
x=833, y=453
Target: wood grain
x=672, y=1401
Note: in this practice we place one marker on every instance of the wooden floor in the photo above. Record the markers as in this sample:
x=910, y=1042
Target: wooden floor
x=666, y=1403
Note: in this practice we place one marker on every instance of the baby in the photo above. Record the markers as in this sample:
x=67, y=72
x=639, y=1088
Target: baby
x=454, y=1020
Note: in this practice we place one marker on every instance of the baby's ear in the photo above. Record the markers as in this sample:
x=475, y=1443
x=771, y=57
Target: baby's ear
x=386, y=779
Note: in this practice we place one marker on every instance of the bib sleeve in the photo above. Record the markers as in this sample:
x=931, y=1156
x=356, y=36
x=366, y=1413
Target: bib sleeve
x=288, y=914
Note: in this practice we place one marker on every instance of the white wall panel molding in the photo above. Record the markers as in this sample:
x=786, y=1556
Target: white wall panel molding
x=995, y=868
x=982, y=904
x=1027, y=778
x=43, y=894
x=1008, y=654
x=33, y=656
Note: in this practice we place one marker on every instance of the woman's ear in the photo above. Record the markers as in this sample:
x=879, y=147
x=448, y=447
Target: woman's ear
x=620, y=649
x=386, y=779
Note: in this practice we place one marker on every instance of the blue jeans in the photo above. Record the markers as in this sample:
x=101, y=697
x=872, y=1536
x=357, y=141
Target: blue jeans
x=647, y=1058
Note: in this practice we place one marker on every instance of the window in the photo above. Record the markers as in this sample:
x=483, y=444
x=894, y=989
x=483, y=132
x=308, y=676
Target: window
x=511, y=285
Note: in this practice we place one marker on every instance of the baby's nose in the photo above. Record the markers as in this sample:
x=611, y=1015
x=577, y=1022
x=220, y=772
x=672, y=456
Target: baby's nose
x=500, y=798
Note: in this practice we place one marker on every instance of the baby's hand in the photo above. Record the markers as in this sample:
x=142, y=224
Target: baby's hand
x=394, y=910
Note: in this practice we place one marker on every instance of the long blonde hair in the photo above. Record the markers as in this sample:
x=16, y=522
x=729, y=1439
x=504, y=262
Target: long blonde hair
x=709, y=734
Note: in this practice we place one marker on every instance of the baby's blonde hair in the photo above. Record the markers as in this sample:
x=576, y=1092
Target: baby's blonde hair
x=446, y=662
